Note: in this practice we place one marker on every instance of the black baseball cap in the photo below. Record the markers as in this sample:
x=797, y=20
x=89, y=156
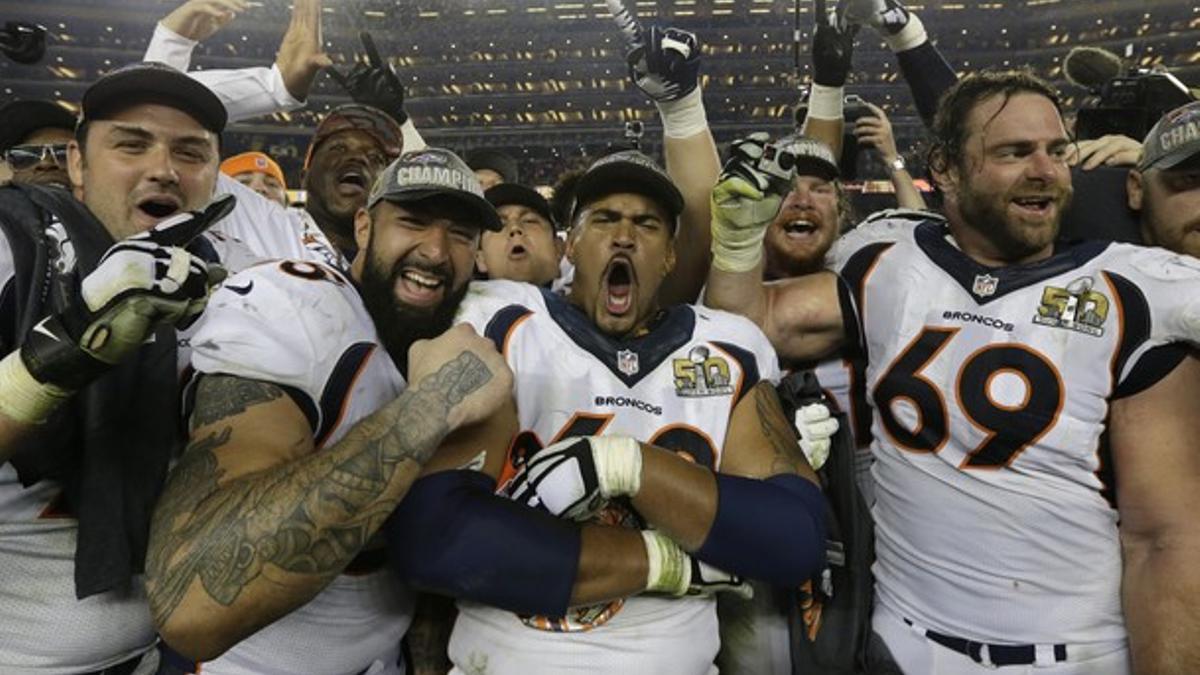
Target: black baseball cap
x=19, y=119
x=433, y=172
x=506, y=194
x=154, y=82
x=627, y=171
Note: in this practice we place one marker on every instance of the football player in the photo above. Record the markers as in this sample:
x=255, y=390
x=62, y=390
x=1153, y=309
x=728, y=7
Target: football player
x=997, y=360
x=304, y=436
x=648, y=443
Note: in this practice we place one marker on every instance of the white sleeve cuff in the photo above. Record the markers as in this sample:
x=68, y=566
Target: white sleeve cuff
x=167, y=46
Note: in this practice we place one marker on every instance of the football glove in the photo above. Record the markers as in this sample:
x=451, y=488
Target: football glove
x=832, y=49
x=665, y=65
x=140, y=283
x=374, y=83
x=576, y=477
x=673, y=572
x=816, y=426
x=744, y=202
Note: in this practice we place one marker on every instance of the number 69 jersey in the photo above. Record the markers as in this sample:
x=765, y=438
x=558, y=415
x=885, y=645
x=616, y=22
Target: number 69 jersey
x=995, y=507
x=675, y=387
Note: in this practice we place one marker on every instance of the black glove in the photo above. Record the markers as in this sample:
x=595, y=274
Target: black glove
x=832, y=49
x=374, y=83
x=666, y=65
x=139, y=283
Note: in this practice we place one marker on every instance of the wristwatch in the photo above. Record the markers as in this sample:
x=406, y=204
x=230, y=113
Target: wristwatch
x=897, y=164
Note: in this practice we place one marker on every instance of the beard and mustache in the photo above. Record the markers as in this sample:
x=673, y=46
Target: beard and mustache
x=397, y=323
x=987, y=213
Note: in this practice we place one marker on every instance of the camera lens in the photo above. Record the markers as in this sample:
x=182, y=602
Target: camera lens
x=787, y=161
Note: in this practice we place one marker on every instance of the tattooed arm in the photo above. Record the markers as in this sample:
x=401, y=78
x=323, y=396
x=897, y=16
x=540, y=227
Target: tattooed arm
x=253, y=523
x=680, y=497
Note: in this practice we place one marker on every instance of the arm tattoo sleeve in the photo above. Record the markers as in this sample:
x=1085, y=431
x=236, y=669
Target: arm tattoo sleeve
x=788, y=458
x=308, y=517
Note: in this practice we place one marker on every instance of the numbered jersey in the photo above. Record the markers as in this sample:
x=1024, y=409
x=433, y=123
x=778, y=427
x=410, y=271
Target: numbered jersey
x=303, y=327
x=675, y=387
x=994, y=512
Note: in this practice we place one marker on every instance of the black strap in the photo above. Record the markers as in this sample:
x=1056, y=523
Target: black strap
x=1000, y=655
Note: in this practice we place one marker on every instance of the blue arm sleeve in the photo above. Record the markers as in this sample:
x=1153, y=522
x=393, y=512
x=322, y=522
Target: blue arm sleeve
x=451, y=535
x=772, y=530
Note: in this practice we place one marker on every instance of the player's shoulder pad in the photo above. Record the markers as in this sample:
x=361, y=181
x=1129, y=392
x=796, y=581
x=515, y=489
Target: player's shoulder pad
x=278, y=321
x=1170, y=283
x=484, y=299
x=715, y=325
x=888, y=226
x=914, y=215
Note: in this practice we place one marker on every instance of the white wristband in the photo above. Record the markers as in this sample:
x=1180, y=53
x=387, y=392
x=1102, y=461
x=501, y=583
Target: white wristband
x=23, y=398
x=825, y=103
x=670, y=568
x=413, y=141
x=912, y=35
x=618, y=465
x=683, y=118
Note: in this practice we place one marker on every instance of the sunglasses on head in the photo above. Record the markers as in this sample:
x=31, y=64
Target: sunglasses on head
x=21, y=157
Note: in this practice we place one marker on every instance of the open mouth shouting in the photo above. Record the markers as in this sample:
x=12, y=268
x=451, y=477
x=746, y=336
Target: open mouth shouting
x=421, y=287
x=800, y=229
x=154, y=208
x=620, y=282
x=352, y=181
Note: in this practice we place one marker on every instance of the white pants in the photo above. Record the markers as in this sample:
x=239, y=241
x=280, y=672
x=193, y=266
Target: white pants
x=918, y=655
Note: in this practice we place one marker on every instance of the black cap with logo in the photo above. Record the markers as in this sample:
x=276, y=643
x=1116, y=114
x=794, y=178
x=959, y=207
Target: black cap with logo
x=152, y=82
x=628, y=171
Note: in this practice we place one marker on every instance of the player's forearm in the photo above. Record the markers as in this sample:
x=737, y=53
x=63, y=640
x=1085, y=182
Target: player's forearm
x=693, y=165
x=738, y=292
x=1161, y=590
x=612, y=564
x=227, y=558
x=676, y=496
x=25, y=403
x=907, y=194
x=428, y=637
x=828, y=131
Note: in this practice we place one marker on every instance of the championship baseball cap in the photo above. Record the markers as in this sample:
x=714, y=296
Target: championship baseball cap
x=255, y=162
x=153, y=82
x=496, y=160
x=371, y=121
x=810, y=157
x=19, y=119
x=433, y=172
x=627, y=171
x=1173, y=140
x=506, y=194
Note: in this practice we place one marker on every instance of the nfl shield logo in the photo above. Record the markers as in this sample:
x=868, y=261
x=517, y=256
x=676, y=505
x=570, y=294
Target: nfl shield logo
x=985, y=285
x=627, y=362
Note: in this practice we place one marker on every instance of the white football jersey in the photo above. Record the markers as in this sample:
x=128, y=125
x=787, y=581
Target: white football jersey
x=49, y=629
x=675, y=387
x=303, y=327
x=994, y=511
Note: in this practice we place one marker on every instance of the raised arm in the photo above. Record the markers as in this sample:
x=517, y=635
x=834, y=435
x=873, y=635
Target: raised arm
x=876, y=132
x=832, y=57
x=664, y=63
x=1160, y=536
x=253, y=522
x=803, y=317
x=246, y=92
